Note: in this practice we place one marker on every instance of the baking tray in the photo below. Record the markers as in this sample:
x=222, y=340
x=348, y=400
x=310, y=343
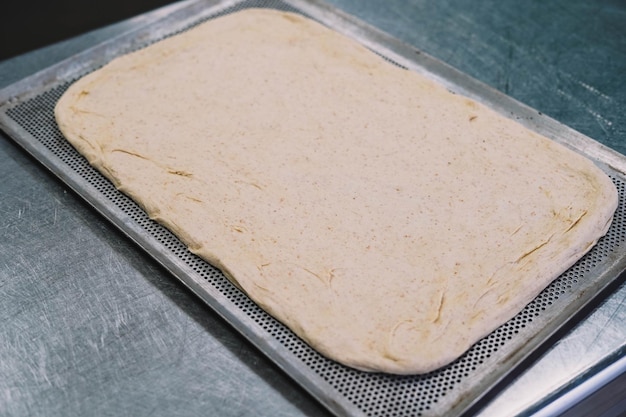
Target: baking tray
x=26, y=115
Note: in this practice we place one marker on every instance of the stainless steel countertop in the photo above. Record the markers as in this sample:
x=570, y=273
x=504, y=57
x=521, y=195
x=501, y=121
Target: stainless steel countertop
x=92, y=326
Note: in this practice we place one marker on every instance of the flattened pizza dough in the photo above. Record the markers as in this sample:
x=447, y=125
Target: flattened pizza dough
x=388, y=222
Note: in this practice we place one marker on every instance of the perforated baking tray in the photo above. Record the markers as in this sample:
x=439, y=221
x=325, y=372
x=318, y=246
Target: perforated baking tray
x=26, y=114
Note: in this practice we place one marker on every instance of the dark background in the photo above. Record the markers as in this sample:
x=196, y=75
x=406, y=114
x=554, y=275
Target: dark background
x=32, y=24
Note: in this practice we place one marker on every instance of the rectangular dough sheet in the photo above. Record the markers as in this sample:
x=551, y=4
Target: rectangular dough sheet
x=388, y=222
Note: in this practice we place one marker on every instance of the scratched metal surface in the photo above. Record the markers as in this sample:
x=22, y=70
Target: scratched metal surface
x=91, y=326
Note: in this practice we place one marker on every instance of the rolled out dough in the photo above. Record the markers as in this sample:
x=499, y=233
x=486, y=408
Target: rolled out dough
x=389, y=223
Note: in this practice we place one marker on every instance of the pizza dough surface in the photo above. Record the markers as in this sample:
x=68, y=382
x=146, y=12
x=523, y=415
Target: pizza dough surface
x=388, y=222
